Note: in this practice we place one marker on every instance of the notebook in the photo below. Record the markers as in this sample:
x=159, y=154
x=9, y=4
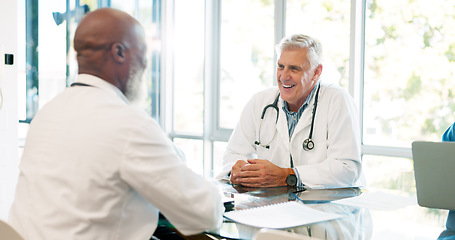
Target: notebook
x=434, y=170
x=280, y=215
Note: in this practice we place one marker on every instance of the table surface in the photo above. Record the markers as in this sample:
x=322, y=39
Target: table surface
x=356, y=223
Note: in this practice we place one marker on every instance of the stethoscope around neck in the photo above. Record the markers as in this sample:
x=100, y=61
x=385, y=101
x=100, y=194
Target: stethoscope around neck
x=308, y=143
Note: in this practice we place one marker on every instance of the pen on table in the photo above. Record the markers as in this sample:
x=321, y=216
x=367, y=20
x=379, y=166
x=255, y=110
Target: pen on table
x=296, y=193
x=299, y=189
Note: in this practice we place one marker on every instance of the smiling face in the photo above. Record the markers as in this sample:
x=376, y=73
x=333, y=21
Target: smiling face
x=295, y=76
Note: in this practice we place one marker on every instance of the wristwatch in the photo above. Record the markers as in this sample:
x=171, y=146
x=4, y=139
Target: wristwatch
x=291, y=180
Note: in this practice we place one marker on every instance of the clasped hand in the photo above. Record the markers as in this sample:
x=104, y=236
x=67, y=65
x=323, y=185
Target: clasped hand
x=258, y=173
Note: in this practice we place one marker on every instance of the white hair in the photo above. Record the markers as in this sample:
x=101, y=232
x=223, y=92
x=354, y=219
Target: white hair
x=298, y=41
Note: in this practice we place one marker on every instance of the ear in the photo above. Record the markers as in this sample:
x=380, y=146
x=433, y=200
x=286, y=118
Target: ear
x=317, y=72
x=118, y=52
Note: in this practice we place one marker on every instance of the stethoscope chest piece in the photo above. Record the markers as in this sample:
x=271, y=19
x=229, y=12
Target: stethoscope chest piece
x=308, y=144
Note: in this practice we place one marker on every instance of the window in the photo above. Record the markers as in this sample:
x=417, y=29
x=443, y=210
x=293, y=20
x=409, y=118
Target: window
x=329, y=22
x=408, y=95
x=188, y=67
x=246, y=55
x=50, y=59
x=409, y=71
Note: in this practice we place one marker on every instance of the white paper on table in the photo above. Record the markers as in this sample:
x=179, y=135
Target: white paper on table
x=281, y=215
x=378, y=201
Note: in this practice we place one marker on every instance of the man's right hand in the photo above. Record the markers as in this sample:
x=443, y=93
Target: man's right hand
x=236, y=169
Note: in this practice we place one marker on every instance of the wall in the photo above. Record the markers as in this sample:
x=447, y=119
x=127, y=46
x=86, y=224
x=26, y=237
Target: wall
x=8, y=112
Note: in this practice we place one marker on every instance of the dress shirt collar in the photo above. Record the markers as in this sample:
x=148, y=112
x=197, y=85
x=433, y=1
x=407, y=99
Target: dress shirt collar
x=304, y=105
x=292, y=117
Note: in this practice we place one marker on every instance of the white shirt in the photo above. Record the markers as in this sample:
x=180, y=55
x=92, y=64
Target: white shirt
x=334, y=161
x=95, y=167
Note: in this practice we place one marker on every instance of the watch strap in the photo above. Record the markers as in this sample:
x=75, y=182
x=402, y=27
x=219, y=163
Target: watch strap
x=291, y=171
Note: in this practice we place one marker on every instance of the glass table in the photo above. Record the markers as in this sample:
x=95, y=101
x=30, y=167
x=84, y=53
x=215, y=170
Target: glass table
x=356, y=223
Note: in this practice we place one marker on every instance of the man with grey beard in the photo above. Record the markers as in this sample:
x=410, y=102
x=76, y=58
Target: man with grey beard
x=93, y=166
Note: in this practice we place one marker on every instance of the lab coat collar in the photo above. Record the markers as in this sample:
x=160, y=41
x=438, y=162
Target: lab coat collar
x=100, y=83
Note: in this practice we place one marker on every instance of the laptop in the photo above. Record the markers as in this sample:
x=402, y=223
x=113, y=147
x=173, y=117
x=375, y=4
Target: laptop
x=434, y=171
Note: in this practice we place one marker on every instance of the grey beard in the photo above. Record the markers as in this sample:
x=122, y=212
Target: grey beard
x=135, y=88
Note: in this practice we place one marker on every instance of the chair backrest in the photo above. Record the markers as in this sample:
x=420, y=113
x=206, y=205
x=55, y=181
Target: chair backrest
x=8, y=233
x=270, y=234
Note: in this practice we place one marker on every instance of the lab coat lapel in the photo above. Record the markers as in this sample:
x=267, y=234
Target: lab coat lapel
x=305, y=120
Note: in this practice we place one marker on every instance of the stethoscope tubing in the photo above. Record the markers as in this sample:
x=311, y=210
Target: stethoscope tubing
x=308, y=143
x=316, y=98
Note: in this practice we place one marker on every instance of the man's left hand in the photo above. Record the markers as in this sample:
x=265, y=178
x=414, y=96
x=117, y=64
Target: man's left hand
x=261, y=173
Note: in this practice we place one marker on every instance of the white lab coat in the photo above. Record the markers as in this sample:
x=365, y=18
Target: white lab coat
x=335, y=160
x=95, y=167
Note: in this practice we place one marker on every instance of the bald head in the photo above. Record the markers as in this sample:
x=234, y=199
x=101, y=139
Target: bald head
x=107, y=42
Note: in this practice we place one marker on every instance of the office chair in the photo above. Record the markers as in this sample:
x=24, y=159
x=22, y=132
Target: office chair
x=270, y=234
x=7, y=232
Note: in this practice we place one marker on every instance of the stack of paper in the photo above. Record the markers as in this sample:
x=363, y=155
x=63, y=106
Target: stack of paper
x=281, y=215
